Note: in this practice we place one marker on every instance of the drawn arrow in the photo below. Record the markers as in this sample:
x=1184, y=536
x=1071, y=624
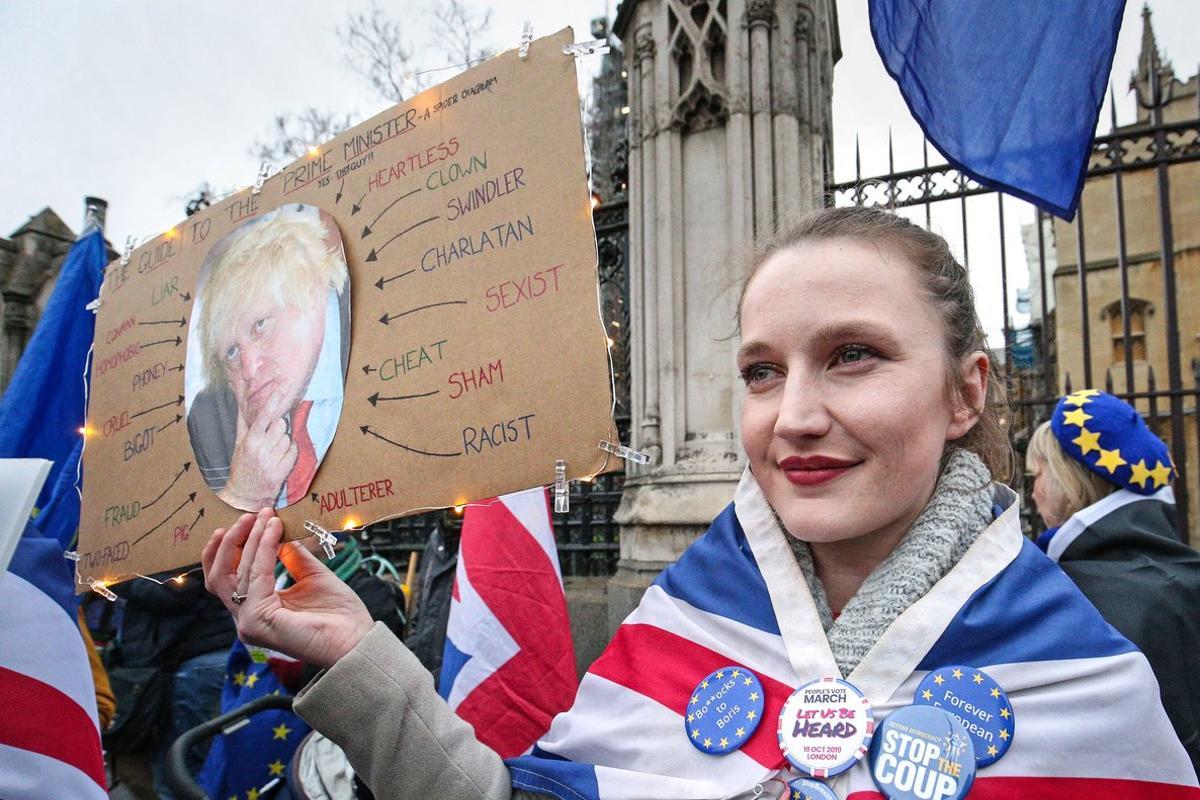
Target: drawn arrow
x=368, y=369
x=177, y=402
x=375, y=398
x=186, y=466
x=180, y=322
x=366, y=429
x=314, y=497
x=199, y=516
x=379, y=283
x=367, y=228
x=185, y=297
x=162, y=428
x=375, y=251
x=338, y=197
x=176, y=368
x=191, y=499
x=176, y=341
x=386, y=319
x=357, y=206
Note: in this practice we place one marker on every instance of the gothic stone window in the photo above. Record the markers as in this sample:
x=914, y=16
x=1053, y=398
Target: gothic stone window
x=1138, y=311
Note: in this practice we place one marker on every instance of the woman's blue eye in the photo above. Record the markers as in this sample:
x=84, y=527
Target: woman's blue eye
x=756, y=372
x=853, y=354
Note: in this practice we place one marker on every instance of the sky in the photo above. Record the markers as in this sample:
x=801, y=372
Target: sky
x=140, y=102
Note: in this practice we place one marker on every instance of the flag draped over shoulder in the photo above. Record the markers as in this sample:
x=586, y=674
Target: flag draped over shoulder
x=44, y=406
x=49, y=735
x=241, y=764
x=509, y=663
x=1008, y=92
x=1078, y=690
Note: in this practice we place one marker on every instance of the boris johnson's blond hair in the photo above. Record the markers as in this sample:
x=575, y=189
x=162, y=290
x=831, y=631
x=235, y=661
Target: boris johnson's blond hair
x=1080, y=486
x=285, y=256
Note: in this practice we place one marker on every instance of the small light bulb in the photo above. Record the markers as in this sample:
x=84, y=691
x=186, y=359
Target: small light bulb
x=349, y=522
x=314, y=151
x=170, y=233
x=179, y=578
x=459, y=509
x=624, y=110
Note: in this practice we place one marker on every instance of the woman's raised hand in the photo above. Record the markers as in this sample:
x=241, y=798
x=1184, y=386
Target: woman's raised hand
x=318, y=619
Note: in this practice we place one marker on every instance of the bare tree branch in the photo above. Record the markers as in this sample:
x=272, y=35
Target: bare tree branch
x=376, y=50
x=293, y=134
x=463, y=28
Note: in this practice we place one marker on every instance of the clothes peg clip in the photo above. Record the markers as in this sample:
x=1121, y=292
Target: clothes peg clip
x=263, y=173
x=99, y=588
x=526, y=40
x=326, y=539
x=585, y=48
x=562, y=496
x=93, y=306
x=71, y=555
x=627, y=453
x=129, y=240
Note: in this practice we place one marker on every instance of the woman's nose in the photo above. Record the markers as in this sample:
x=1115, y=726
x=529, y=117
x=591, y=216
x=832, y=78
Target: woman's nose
x=803, y=409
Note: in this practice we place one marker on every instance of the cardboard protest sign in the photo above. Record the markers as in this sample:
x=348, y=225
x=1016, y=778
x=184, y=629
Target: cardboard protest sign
x=475, y=356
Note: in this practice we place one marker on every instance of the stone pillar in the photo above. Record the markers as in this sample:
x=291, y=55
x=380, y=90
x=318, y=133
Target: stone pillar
x=729, y=119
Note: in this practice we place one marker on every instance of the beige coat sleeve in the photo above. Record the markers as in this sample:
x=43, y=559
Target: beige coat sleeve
x=379, y=705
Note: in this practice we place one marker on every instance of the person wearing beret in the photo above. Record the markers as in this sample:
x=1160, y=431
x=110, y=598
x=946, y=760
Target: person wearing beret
x=1102, y=483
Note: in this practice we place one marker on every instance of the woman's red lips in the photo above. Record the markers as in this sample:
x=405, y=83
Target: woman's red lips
x=813, y=470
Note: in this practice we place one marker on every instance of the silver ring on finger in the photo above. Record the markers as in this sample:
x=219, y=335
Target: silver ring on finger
x=237, y=598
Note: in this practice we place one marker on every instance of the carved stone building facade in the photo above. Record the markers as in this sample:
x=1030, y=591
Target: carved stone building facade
x=729, y=137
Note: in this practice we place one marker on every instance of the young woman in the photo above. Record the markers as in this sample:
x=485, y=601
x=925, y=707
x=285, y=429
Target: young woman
x=1102, y=483
x=865, y=542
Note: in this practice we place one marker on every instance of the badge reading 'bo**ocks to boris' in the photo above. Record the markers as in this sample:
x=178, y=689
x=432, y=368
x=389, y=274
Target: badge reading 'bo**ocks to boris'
x=977, y=702
x=825, y=727
x=723, y=710
x=922, y=753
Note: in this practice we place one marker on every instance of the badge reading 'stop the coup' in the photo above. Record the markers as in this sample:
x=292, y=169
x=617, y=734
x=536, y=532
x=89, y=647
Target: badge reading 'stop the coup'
x=922, y=753
x=724, y=710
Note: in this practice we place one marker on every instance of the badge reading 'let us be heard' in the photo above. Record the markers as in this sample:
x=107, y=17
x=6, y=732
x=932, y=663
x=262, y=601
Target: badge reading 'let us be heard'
x=723, y=710
x=922, y=753
x=977, y=702
x=825, y=727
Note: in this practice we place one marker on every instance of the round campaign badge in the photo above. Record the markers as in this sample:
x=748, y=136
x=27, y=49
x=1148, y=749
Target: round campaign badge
x=979, y=704
x=809, y=789
x=825, y=727
x=723, y=710
x=922, y=753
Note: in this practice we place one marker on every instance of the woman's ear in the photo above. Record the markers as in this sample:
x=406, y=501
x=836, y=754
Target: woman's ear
x=972, y=395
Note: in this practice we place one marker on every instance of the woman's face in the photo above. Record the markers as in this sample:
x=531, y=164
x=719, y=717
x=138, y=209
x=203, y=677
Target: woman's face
x=1048, y=496
x=846, y=414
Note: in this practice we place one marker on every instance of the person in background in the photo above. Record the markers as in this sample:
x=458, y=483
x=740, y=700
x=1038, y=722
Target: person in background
x=427, y=638
x=106, y=702
x=1102, y=483
x=176, y=627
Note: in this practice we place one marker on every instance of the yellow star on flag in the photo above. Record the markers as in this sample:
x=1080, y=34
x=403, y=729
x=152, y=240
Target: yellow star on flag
x=1081, y=397
x=995, y=692
x=1004, y=734
x=1076, y=417
x=1087, y=441
x=275, y=767
x=1161, y=474
x=956, y=672
x=239, y=679
x=1004, y=712
x=1141, y=474
x=977, y=678
x=708, y=742
x=754, y=697
x=939, y=680
x=252, y=794
x=234, y=797
x=724, y=742
x=751, y=714
x=696, y=733
x=927, y=695
x=281, y=732
x=740, y=731
x=251, y=679
x=796, y=795
x=992, y=750
x=1110, y=460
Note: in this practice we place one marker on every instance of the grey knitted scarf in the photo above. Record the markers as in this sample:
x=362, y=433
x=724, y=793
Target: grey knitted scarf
x=961, y=507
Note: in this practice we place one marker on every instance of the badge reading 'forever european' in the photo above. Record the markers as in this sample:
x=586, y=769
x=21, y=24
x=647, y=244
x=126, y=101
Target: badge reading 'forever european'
x=825, y=727
x=922, y=753
x=979, y=704
x=724, y=710
x=809, y=789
